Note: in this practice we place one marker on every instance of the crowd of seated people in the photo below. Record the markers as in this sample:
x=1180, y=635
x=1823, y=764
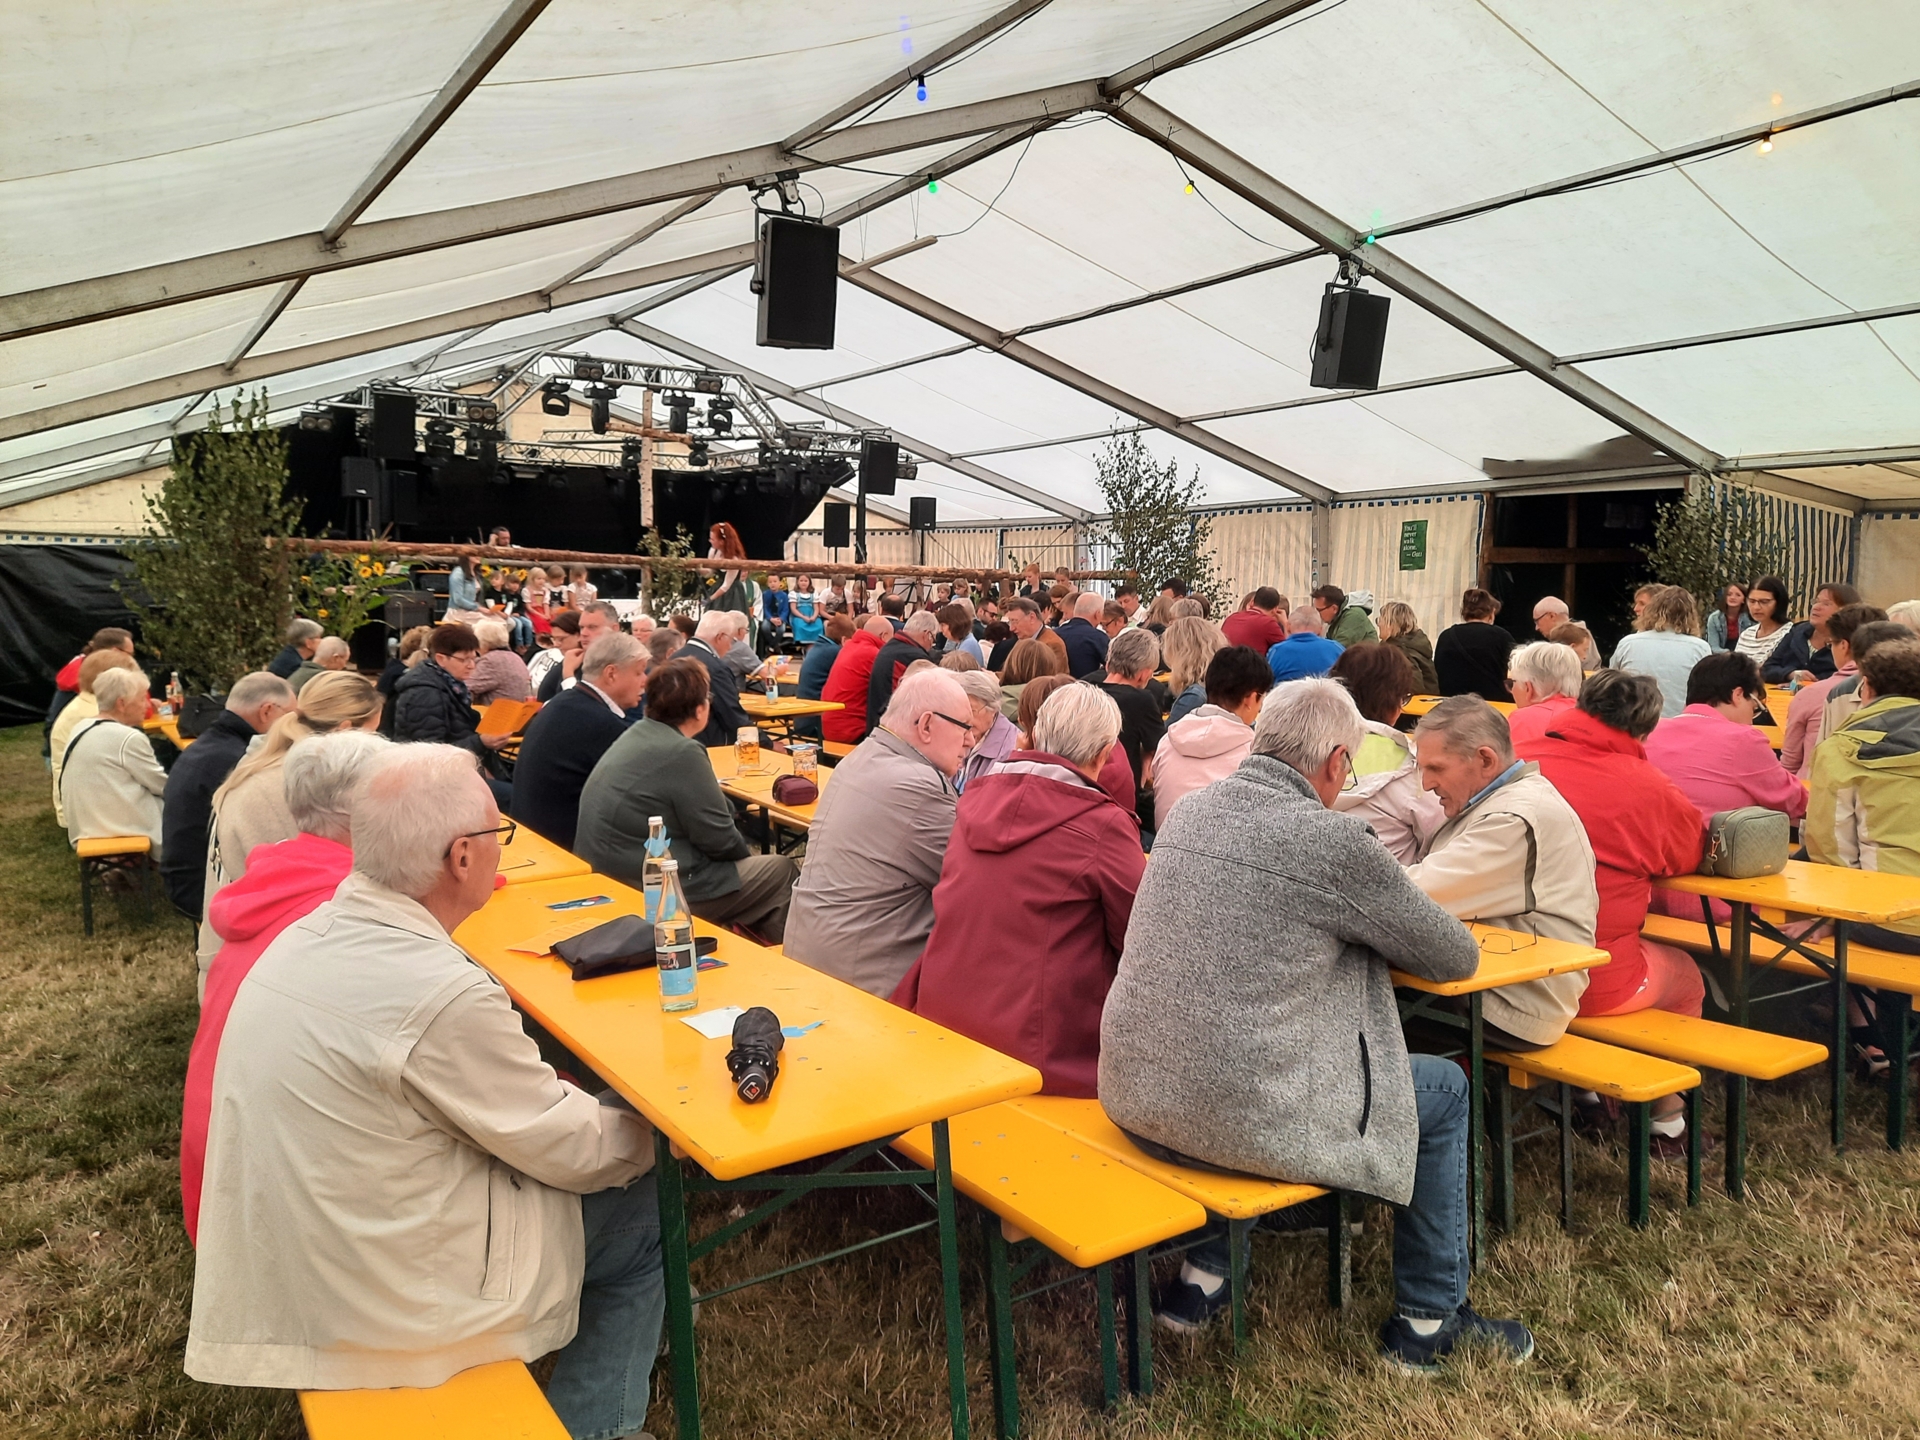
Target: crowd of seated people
x=1211, y=839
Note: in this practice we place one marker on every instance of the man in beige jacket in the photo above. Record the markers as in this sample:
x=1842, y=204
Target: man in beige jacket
x=1512, y=853
x=397, y=1187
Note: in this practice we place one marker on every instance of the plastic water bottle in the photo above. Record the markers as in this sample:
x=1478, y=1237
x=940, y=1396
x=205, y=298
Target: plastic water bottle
x=650, y=868
x=673, y=948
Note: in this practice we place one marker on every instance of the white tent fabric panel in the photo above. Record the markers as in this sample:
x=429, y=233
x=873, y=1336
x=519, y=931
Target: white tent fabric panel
x=1366, y=553
x=1812, y=390
x=139, y=133
x=974, y=400
x=567, y=103
x=1272, y=545
x=1506, y=418
x=105, y=429
x=1346, y=447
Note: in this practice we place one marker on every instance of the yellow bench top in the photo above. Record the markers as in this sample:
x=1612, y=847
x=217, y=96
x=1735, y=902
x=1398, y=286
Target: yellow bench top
x=1874, y=968
x=1238, y=1197
x=1605, y=1069
x=97, y=846
x=1757, y=1054
x=1078, y=1201
x=488, y=1402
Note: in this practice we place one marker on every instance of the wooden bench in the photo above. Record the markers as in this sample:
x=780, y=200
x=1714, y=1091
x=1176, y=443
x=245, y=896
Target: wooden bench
x=1636, y=1080
x=1041, y=1189
x=834, y=751
x=489, y=1402
x=1894, y=976
x=102, y=853
x=1240, y=1199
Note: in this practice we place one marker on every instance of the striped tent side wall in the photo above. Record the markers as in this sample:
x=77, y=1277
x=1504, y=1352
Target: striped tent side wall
x=1818, y=542
x=1366, y=552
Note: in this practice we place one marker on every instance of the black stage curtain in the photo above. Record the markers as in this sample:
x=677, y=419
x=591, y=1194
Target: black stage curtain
x=52, y=598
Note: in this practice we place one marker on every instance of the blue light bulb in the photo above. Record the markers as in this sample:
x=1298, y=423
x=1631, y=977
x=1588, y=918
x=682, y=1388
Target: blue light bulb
x=920, y=92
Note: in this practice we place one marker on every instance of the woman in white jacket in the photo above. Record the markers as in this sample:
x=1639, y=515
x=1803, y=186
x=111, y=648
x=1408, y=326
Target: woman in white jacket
x=1385, y=787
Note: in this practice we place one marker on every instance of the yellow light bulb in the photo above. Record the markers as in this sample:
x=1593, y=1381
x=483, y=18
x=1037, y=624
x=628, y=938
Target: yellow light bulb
x=1766, y=146
x=1189, y=187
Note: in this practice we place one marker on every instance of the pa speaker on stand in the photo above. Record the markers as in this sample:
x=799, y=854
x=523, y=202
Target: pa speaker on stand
x=836, y=520
x=920, y=512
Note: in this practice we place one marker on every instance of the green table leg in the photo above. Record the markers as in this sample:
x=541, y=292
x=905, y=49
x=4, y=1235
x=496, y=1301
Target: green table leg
x=1499, y=1109
x=1109, y=1335
x=683, y=1362
x=1566, y=1156
x=1639, y=1163
x=1239, y=1237
x=1340, y=1252
x=950, y=1282
x=1739, y=952
x=1839, y=1058
x=1140, y=1323
x=1476, y=1138
x=1896, y=1026
x=1006, y=1381
x=1691, y=1101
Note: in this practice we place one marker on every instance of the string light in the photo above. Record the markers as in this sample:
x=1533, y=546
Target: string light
x=933, y=187
x=1189, y=187
x=1766, y=145
x=920, y=89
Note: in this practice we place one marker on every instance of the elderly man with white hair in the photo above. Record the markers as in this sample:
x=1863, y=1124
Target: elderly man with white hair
x=253, y=704
x=914, y=642
x=863, y=906
x=566, y=739
x=397, y=1187
x=1544, y=678
x=110, y=783
x=1511, y=853
x=740, y=652
x=1041, y=852
x=1549, y=614
x=1252, y=1026
x=330, y=652
x=712, y=639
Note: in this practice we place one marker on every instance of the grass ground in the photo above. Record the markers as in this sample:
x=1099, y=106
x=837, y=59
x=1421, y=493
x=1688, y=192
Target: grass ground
x=1794, y=1315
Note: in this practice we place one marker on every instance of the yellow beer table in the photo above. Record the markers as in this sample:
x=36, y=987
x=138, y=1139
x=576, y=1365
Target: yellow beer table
x=868, y=1072
x=1831, y=892
x=154, y=725
x=1421, y=704
x=1507, y=957
x=780, y=711
x=755, y=787
x=530, y=856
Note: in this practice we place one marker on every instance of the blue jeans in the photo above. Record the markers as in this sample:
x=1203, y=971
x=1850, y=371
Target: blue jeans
x=1430, y=1232
x=603, y=1378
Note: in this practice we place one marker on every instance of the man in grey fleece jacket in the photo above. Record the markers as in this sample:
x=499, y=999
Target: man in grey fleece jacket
x=1252, y=1026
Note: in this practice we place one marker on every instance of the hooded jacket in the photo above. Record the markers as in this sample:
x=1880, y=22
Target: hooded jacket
x=1388, y=795
x=1206, y=746
x=1640, y=827
x=1252, y=1024
x=1047, y=861
x=1864, y=812
x=283, y=882
x=847, y=684
x=1418, y=649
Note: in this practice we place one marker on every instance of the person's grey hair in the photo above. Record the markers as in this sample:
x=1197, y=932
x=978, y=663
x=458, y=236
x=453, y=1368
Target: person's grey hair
x=643, y=620
x=615, y=649
x=1905, y=612
x=332, y=645
x=982, y=686
x=959, y=661
x=1463, y=723
x=1077, y=723
x=1552, y=604
x=319, y=775
x=1305, y=619
x=116, y=687
x=1189, y=605
x=1302, y=722
x=301, y=631
x=409, y=808
x=662, y=643
x=492, y=634
x=1089, y=606
x=922, y=691
x=714, y=625
x=1548, y=666
x=924, y=624
x=1623, y=701
x=741, y=624
x=262, y=687
x=1132, y=651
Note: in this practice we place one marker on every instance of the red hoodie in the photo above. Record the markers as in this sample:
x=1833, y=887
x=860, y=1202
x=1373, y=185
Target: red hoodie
x=1029, y=918
x=1640, y=826
x=847, y=683
x=283, y=882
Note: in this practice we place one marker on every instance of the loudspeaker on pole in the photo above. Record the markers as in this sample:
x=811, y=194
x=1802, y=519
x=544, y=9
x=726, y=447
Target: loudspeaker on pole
x=836, y=525
x=920, y=512
x=1351, y=339
x=879, y=465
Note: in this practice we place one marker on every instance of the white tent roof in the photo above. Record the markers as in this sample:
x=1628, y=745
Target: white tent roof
x=1623, y=241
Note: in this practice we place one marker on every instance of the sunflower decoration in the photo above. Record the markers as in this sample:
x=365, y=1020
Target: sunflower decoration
x=321, y=613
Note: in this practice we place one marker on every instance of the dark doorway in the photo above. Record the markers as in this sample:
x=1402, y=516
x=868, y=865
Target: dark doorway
x=1582, y=547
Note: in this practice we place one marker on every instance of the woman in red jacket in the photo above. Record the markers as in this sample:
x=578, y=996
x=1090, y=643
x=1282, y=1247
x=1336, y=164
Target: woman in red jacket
x=1042, y=854
x=848, y=679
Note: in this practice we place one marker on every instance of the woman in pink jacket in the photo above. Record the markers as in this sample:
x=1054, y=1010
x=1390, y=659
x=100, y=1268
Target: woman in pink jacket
x=1210, y=741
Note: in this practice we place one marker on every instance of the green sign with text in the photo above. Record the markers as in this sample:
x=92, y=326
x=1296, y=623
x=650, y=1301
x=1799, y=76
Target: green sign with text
x=1413, y=544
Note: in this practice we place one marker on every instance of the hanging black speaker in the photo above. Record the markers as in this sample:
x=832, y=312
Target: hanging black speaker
x=836, y=522
x=1351, y=339
x=920, y=512
x=797, y=277
x=392, y=434
x=879, y=465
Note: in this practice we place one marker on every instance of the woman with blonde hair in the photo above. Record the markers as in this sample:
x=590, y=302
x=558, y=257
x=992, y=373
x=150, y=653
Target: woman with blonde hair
x=499, y=674
x=1187, y=646
x=1026, y=662
x=1400, y=628
x=83, y=707
x=1160, y=613
x=1665, y=644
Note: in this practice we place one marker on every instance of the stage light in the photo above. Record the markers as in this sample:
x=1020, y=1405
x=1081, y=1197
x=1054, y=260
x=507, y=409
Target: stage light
x=589, y=370
x=708, y=384
x=720, y=415
x=679, y=410
x=316, y=420
x=600, y=398
x=555, y=399
x=438, y=442
x=697, y=454
x=482, y=412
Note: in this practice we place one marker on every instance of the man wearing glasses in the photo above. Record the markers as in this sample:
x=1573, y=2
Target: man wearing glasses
x=397, y=1187
x=863, y=906
x=1512, y=853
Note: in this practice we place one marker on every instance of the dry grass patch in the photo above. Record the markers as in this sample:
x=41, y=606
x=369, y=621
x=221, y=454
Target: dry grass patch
x=1792, y=1316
